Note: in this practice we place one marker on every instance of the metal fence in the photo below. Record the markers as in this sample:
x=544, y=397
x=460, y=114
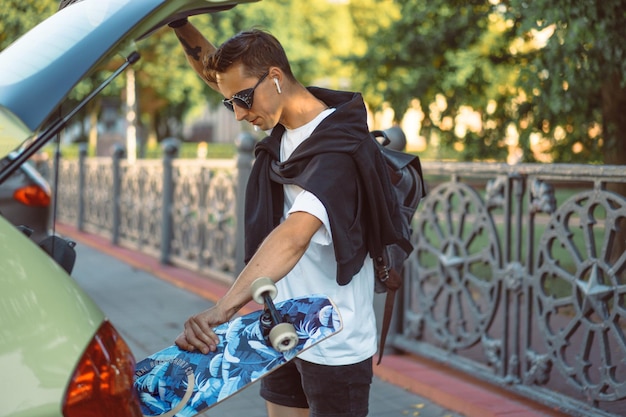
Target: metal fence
x=510, y=281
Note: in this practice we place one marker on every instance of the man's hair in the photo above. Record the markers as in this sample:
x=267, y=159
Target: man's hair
x=256, y=49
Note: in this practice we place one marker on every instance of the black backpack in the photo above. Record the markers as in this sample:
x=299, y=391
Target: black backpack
x=405, y=173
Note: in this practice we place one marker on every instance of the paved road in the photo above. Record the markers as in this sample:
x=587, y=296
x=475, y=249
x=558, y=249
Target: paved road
x=149, y=313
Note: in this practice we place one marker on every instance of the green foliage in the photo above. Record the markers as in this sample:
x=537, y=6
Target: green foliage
x=19, y=16
x=445, y=52
x=488, y=56
x=569, y=78
x=315, y=38
x=167, y=87
x=314, y=33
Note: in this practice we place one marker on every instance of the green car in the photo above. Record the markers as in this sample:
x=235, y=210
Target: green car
x=59, y=355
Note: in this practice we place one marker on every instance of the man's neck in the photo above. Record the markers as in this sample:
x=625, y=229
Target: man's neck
x=301, y=108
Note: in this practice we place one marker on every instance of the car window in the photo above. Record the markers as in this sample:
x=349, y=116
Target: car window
x=12, y=134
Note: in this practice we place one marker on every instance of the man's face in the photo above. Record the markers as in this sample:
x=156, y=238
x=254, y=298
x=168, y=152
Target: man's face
x=251, y=98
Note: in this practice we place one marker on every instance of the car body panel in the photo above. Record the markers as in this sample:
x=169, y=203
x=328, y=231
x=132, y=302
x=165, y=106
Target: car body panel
x=46, y=322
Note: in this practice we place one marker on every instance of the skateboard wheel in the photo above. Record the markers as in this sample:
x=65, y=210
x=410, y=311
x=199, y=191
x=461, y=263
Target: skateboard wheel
x=283, y=337
x=260, y=286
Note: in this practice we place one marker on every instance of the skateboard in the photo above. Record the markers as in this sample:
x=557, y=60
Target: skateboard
x=177, y=383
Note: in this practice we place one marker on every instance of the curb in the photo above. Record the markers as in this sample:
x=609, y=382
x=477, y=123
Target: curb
x=457, y=391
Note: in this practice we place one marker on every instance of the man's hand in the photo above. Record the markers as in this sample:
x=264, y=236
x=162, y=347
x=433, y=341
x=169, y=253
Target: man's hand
x=276, y=256
x=198, y=333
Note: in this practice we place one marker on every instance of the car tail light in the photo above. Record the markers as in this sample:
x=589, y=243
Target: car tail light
x=32, y=195
x=102, y=384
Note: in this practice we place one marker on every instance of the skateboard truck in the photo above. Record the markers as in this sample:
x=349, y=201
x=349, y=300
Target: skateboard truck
x=282, y=334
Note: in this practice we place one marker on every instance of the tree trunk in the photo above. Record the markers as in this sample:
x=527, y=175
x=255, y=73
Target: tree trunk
x=614, y=127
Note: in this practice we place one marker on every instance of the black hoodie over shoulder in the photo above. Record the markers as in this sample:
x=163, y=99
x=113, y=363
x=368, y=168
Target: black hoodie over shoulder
x=341, y=164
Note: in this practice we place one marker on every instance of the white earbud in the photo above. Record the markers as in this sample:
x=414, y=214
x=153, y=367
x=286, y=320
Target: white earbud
x=277, y=86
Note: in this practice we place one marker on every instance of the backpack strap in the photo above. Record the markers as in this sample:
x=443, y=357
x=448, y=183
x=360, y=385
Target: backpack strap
x=389, y=302
x=393, y=281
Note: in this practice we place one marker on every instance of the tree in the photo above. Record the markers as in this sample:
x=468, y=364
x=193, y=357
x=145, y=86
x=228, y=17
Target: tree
x=450, y=55
x=489, y=55
x=167, y=87
x=579, y=77
x=19, y=16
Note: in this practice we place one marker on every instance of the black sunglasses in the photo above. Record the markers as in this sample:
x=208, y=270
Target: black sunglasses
x=243, y=98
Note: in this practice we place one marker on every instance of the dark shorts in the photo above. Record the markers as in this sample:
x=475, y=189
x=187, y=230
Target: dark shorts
x=328, y=391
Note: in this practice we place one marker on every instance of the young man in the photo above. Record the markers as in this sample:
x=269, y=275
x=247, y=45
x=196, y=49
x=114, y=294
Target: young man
x=316, y=205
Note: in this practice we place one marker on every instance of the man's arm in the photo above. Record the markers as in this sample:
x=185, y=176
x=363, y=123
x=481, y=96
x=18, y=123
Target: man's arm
x=195, y=45
x=276, y=256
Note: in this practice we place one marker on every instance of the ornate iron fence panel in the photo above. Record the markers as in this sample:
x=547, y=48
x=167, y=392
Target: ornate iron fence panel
x=140, y=205
x=83, y=191
x=203, y=213
x=220, y=217
x=98, y=196
x=67, y=191
x=580, y=294
x=524, y=291
x=184, y=209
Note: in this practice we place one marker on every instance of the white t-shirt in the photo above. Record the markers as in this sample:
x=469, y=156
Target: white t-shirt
x=316, y=273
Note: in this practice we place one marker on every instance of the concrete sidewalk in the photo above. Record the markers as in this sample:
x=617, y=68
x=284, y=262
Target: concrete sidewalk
x=148, y=303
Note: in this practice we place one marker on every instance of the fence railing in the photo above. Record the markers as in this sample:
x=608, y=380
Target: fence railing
x=510, y=281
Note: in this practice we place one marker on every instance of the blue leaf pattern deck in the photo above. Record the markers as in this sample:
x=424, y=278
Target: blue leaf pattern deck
x=178, y=383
